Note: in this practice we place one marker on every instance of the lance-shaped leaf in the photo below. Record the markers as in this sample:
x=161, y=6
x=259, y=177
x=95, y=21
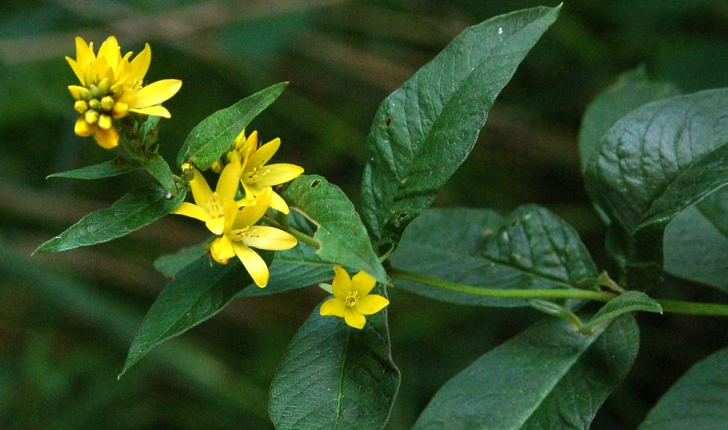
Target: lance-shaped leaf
x=107, y=169
x=654, y=163
x=630, y=301
x=335, y=377
x=159, y=169
x=214, y=136
x=697, y=401
x=632, y=90
x=168, y=265
x=425, y=130
x=198, y=292
x=548, y=377
x=133, y=211
x=530, y=249
x=339, y=229
x=696, y=242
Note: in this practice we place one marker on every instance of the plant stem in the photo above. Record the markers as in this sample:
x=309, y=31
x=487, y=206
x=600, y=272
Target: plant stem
x=674, y=306
x=295, y=233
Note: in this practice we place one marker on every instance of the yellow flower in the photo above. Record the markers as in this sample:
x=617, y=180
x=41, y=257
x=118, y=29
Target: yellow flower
x=256, y=175
x=240, y=234
x=209, y=206
x=351, y=299
x=111, y=87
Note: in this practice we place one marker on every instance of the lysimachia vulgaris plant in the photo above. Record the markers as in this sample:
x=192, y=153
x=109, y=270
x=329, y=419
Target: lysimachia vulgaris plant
x=653, y=163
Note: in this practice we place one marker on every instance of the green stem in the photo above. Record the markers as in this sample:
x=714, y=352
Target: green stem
x=295, y=233
x=674, y=306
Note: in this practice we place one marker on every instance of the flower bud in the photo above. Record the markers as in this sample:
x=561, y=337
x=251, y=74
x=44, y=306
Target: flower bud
x=91, y=116
x=105, y=122
x=80, y=106
x=107, y=103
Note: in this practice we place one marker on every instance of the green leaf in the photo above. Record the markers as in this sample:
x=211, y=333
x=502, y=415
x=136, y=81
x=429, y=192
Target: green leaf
x=425, y=130
x=696, y=242
x=335, y=377
x=133, y=211
x=548, y=377
x=198, y=292
x=630, y=301
x=107, y=169
x=168, y=265
x=214, y=136
x=530, y=249
x=340, y=232
x=159, y=169
x=697, y=401
x=654, y=163
x=632, y=90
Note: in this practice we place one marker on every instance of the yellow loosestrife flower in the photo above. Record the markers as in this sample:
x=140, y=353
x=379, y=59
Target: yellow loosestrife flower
x=256, y=176
x=240, y=234
x=352, y=299
x=111, y=87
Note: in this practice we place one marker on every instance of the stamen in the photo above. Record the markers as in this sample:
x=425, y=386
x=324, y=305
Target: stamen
x=351, y=298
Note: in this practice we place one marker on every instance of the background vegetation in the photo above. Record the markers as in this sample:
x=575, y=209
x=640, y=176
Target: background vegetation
x=67, y=320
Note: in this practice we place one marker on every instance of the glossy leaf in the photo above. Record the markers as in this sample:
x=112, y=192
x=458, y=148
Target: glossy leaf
x=548, y=377
x=630, y=301
x=133, y=211
x=339, y=229
x=654, y=163
x=198, y=292
x=425, y=130
x=168, y=265
x=159, y=169
x=107, y=169
x=697, y=401
x=632, y=90
x=696, y=242
x=335, y=377
x=214, y=136
x=530, y=249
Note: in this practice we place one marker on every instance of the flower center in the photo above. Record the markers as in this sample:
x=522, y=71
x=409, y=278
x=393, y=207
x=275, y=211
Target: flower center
x=351, y=298
x=258, y=173
x=213, y=207
x=98, y=104
x=240, y=234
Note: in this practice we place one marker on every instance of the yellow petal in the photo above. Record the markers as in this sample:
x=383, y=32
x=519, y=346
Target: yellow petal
x=363, y=283
x=227, y=184
x=153, y=111
x=270, y=238
x=107, y=139
x=84, y=51
x=230, y=208
x=335, y=307
x=222, y=249
x=216, y=226
x=78, y=70
x=140, y=63
x=192, y=211
x=201, y=192
x=371, y=304
x=82, y=128
x=265, y=153
x=277, y=203
x=354, y=318
x=341, y=284
x=110, y=51
x=253, y=263
x=249, y=215
x=276, y=174
x=157, y=92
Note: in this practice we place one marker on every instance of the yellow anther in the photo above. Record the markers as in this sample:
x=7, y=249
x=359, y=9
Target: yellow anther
x=80, y=106
x=91, y=116
x=104, y=122
x=351, y=298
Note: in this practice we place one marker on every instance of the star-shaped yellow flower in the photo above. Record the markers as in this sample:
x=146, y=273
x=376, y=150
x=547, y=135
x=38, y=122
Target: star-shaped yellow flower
x=240, y=234
x=209, y=206
x=111, y=87
x=256, y=175
x=351, y=299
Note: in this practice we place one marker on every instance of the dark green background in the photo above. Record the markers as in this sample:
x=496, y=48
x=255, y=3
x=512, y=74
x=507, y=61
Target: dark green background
x=67, y=320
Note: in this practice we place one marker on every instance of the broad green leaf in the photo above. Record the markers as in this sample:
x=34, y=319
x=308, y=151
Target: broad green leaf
x=632, y=90
x=630, y=301
x=107, y=169
x=133, y=211
x=548, y=377
x=696, y=242
x=159, y=169
x=340, y=232
x=697, y=401
x=335, y=377
x=654, y=163
x=198, y=292
x=425, y=130
x=530, y=249
x=168, y=265
x=215, y=134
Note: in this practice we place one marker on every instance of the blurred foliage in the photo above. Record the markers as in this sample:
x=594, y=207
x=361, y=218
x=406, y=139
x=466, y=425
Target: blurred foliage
x=67, y=320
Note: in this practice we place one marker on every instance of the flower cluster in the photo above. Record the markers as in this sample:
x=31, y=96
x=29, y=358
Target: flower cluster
x=234, y=220
x=111, y=87
x=352, y=300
